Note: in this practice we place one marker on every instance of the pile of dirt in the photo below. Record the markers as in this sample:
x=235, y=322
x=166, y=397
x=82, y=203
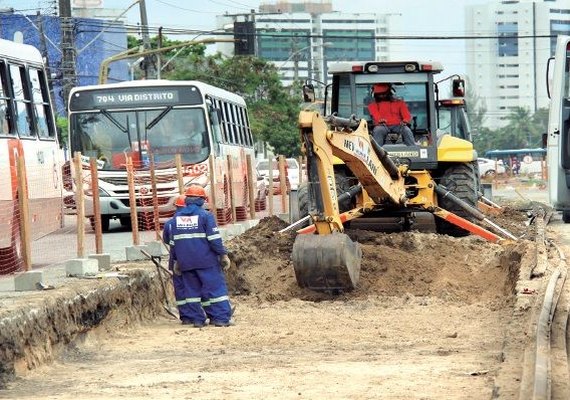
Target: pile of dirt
x=465, y=269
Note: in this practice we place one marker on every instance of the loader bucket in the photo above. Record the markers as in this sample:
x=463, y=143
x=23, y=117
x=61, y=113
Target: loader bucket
x=326, y=262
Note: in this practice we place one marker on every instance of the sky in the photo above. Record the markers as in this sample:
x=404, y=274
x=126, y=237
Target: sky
x=409, y=18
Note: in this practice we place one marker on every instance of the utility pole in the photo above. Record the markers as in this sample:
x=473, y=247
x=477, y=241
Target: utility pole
x=44, y=51
x=69, y=76
x=68, y=72
x=149, y=60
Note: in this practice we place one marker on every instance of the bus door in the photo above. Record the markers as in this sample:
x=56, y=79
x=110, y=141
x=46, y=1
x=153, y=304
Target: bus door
x=558, y=142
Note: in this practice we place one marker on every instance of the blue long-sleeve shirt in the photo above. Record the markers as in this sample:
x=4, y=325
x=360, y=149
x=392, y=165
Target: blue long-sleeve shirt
x=194, y=238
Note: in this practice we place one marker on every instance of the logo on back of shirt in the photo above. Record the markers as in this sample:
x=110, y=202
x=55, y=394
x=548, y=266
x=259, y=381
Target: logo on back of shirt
x=187, y=222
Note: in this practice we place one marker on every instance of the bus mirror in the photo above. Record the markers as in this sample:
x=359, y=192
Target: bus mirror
x=308, y=93
x=544, y=140
x=458, y=86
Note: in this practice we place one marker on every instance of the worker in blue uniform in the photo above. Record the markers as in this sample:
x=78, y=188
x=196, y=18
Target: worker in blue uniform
x=177, y=281
x=197, y=246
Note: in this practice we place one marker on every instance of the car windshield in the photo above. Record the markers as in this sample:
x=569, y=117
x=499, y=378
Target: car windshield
x=110, y=136
x=291, y=163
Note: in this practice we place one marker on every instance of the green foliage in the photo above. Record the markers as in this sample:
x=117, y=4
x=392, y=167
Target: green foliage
x=523, y=130
x=273, y=111
x=61, y=124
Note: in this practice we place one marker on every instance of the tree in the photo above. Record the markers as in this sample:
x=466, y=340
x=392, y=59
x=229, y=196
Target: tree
x=476, y=108
x=273, y=111
x=523, y=130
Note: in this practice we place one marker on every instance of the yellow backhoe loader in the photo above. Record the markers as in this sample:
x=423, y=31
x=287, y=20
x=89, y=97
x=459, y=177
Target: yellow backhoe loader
x=351, y=177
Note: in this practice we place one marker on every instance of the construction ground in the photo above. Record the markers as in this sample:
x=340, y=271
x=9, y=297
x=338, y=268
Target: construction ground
x=433, y=317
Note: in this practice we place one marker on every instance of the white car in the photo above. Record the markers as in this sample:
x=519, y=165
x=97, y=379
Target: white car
x=293, y=170
x=490, y=168
x=263, y=170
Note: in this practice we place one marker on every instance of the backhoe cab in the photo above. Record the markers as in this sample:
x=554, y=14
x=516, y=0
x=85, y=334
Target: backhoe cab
x=351, y=176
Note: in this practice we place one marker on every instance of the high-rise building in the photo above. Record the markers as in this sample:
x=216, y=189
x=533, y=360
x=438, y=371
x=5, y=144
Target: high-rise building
x=507, y=51
x=300, y=38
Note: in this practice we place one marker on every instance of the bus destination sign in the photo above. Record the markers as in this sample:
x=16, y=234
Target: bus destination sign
x=115, y=98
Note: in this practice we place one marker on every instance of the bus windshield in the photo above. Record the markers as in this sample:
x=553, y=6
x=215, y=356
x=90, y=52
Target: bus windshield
x=111, y=135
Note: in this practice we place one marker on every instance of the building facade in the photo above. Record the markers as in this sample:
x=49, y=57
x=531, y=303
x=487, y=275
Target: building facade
x=508, y=45
x=304, y=38
x=95, y=40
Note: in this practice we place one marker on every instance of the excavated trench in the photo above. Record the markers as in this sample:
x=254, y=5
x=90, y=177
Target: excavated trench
x=35, y=328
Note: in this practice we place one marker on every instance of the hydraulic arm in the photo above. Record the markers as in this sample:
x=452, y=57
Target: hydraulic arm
x=327, y=259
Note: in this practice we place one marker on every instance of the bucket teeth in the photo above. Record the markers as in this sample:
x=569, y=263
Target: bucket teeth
x=326, y=262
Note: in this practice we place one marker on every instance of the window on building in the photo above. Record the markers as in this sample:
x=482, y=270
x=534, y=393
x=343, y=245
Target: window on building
x=508, y=41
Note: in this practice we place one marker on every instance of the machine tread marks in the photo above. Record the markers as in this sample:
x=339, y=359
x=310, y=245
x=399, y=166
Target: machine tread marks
x=463, y=181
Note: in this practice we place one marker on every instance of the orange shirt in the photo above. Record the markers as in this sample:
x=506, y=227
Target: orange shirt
x=392, y=112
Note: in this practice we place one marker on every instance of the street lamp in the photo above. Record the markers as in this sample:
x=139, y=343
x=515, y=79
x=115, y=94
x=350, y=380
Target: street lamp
x=295, y=57
x=133, y=65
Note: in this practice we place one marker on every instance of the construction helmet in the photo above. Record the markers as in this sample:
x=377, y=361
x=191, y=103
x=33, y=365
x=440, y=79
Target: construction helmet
x=180, y=201
x=196, y=191
x=380, y=88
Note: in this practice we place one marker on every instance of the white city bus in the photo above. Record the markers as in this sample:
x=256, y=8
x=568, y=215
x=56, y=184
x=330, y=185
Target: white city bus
x=162, y=118
x=27, y=128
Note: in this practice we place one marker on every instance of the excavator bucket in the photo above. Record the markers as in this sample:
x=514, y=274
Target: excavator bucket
x=326, y=262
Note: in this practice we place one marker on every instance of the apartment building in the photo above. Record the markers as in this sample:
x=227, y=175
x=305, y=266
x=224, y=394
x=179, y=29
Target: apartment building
x=508, y=45
x=301, y=38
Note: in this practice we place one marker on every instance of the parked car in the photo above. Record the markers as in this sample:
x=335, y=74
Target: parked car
x=490, y=168
x=293, y=171
x=262, y=167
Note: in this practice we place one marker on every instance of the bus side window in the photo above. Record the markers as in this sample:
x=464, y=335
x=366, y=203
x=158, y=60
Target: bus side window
x=40, y=99
x=215, y=122
x=4, y=102
x=22, y=103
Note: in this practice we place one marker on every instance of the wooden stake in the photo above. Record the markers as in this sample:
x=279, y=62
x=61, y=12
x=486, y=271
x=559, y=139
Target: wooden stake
x=283, y=185
x=23, y=203
x=132, y=200
x=154, y=198
x=212, y=198
x=96, y=205
x=251, y=181
x=270, y=177
x=80, y=205
x=231, y=187
x=179, y=173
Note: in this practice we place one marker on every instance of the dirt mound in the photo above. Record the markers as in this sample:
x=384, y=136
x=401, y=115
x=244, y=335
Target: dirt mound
x=394, y=264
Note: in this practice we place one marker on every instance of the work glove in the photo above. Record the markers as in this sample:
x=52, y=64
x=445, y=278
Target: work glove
x=176, y=269
x=225, y=262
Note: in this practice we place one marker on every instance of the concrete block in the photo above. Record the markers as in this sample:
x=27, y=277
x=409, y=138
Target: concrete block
x=28, y=280
x=81, y=266
x=156, y=248
x=134, y=254
x=235, y=229
x=104, y=261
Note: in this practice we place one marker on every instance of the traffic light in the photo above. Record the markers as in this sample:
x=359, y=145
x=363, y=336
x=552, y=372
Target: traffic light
x=244, y=35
